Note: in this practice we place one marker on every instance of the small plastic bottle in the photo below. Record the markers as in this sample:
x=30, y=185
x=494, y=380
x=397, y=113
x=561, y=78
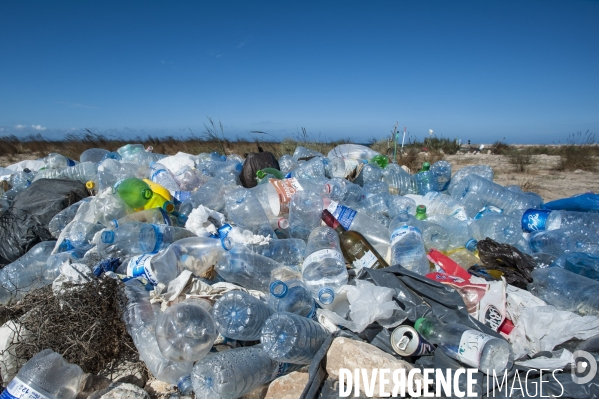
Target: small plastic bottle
x=240, y=316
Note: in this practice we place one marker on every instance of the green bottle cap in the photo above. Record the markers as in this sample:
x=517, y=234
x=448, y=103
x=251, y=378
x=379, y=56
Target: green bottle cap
x=426, y=166
x=260, y=174
x=419, y=323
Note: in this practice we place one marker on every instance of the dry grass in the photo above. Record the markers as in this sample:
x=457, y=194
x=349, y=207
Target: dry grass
x=520, y=159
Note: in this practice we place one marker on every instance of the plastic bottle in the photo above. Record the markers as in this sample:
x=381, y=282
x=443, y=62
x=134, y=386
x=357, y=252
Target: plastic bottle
x=211, y=195
x=135, y=192
x=433, y=234
x=79, y=234
x=407, y=246
x=64, y=217
x=161, y=175
x=244, y=209
x=343, y=191
x=240, y=316
x=185, y=332
x=291, y=295
x=356, y=249
x=400, y=182
x=460, y=233
x=474, y=193
x=501, y=228
x=471, y=347
x=289, y=252
x=544, y=219
x=441, y=171
x=196, y=254
x=291, y=338
x=82, y=172
x=189, y=178
x=556, y=242
x=441, y=204
x=129, y=152
x=304, y=213
x=483, y=171
x=153, y=216
x=397, y=204
x=370, y=173
x=566, y=290
x=311, y=169
x=580, y=263
x=287, y=164
x=425, y=181
x=108, y=206
x=140, y=320
x=94, y=155
x=303, y=152
x=46, y=375
x=376, y=233
x=139, y=238
x=421, y=212
x=323, y=269
x=57, y=161
x=234, y=373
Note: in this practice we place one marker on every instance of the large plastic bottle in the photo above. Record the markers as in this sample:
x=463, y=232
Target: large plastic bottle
x=243, y=266
x=196, y=254
x=441, y=204
x=64, y=217
x=484, y=171
x=501, y=228
x=397, y=204
x=289, y=251
x=341, y=190
x=313, y=168
x=135, y=192
x=460, y=232
x=566, y=290
x=407, y=246
x=244, y=209
x=303, y=152
x=57, y=161
x=139, y=238
x=108, y=206
x=129, y=152
x=291, y=295
x=161, y=175
x=185, y=332
x=323, y=269
x=82, y=172
x=234, y=373
x=544, y=219
x=240, y=316
x=376, y=233
x=79, y=234
x=425, y=181
x=93, y=155
x=47, y=375
x=291, y=338
x=441, y=171
x=153, y=216
x=287, y=164
x=473, y=348
x=400, y=182
x=371, y=173
x=304, y=213
x=556, y=242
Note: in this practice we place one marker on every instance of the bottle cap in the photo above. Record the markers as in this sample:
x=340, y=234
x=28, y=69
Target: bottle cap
x=278, y=289
x=418, y=323
x=108, y=237
x=168, y=206
x=283, y=223
x=90, y=185
x=426, y=166
x=147, y=193
x=421, y=209
x=326, y=295
x=260, y=174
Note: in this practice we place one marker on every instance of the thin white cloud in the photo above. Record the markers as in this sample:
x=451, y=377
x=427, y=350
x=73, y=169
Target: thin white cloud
x=20, y=127
x=39, y=128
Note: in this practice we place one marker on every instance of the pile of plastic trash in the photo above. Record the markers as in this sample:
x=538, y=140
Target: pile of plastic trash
x=239, y=271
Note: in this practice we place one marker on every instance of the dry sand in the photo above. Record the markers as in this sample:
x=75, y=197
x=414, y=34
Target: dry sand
x=540, y=177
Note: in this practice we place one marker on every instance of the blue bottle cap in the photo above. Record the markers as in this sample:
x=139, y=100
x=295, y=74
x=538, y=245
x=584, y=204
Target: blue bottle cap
x=108, y=237
x=278, y=289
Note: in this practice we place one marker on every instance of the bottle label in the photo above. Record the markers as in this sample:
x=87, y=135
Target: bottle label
x=368, y=260
x=140, y=266
x=471, y=346
x=486, y=210
x=344, y=215
x=182, y=195
x=399, y=233
x=17, y=389
x=319, y=256
x=460, y=214
x=534, y=219
x=285, y=189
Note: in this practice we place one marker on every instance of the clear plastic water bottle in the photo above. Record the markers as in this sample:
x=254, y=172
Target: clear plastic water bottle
x=211, y=195
x=244, y=209
x=139, y=238
x=94, y=155
x=371, y=173
x=311, y=169
x=108, y=206
x=303, y=152
x=400, y=182
x=544, y=219
x=471, y=347
x=161, y=175
x=433, y=234
x=244, y=267
x=79, y=234
x=188, y=178
x=57, y=161
x=556, y=242
x=129, y=152
x=343, y=191
x=291, y=338
x=293, y=296
x=425, y=180
x=153, y=216
x=185, y=332
x=64, y=217
x=323, y=269
x=483, y=171
x=234, y=373
x=196, y=254
x=441, y=171
x=304, y=213
x=501, y=228
x=46, y=375
x=460, y=232
x=240, y=316
x=474, y=193
x=287, y=164
x=82, y=172
x=407, y=246
x=441, y=204
x=566, y=290
x=337, y=167
x=397, y=204
x=289, y=252
x=580, y=263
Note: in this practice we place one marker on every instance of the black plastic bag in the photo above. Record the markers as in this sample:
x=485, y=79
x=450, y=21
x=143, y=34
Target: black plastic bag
x=516, y=266
x=253, y=163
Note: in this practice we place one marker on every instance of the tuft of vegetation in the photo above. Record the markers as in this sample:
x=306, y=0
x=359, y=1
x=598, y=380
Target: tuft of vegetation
x=580, y=153
x=520, y=159
x=501, y=148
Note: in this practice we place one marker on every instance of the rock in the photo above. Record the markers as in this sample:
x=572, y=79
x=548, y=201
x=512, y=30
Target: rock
x=289, y=386
x=578, y=171
x=159, y=389
x=120, y=390
x=489, y=152
x=404, y=167
x=127, y=372
x=91, y=383
x=351, y=354
x=258, y=393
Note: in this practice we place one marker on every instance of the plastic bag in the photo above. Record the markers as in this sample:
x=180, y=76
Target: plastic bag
x=587, y=202
x=368, y=303
x=352, y=151
x=516, y=266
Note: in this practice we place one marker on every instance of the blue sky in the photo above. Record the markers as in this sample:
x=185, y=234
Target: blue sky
x=481, y=70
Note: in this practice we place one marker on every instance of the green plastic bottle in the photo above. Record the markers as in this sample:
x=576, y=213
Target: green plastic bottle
x=135, y=192
x=263, y=175
x=380, y=160
x=421, y=212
